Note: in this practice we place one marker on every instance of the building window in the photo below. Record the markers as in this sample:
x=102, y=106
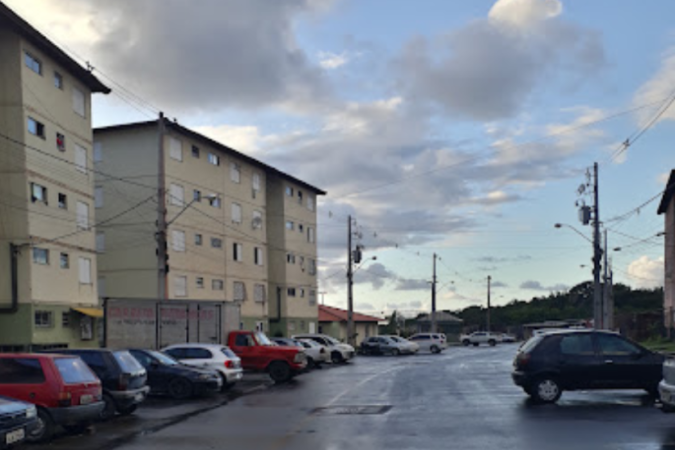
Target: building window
x=235, y=172
x=258, y=256
x=198, y=239
x=82, y=216
x=312, y=298
x=290, y=225
x=195, y=151
x=79, y=104
x=300, y=197
x=312, y=267
x=60, y=142
x=256, y=222
x=177, y=194
x=43, y=319
x=178, y=240
x=85, y=270
x=216, y=242
x=255, y=182
x=180, y=286
x=310, y=203
x=236, y=213
x=38, y=193
x=239, y=291
x=64, y=261
x=40, y=256
x=214, y=201
x=290, y=258
x=301, y=227
x=301, y=292
x=65, y=319
x=63, y=201
x=81, y=158
x=310, y=235
x=217, y=285
x=214, y=159
x=175, y=148
x=237, y=251
x=58, y=80
x=197, y=195
x=32, y=63
x=291, y=292
x=200, y=282
x=98, y=152
x=36, y=128
x=259, y=293
x=98, y=197
x=289, y=191
x=302, y=262
x=100, y=242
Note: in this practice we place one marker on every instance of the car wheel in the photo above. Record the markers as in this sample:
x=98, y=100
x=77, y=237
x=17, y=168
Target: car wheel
x=128, y=410
x=476, y=344
x=434, y=349
x=492, y=342
x=108, y=411
x=653, y=392
x=545, y=390
x=44, y=429
x=466, y=342
x=279, y=371
x=395, y=352
x=180, y=388
x=225, y=385
x=336, y=357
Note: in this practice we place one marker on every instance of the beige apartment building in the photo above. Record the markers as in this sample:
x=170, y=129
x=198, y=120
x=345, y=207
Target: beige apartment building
x=218, y=220
x=48, y=293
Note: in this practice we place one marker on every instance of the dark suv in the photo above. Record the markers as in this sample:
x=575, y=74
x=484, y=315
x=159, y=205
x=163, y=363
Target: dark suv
x=17, y=420
x=553, y=362
x=123, y=378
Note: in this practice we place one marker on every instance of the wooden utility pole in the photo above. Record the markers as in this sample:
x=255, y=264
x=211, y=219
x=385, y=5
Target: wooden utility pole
x=350, y=285
x=160, y=235
x=597, y=255
x=489, y=279
x=433, y=298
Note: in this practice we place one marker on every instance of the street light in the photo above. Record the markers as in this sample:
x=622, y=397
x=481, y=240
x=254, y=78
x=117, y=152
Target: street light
x=560, y=225
x=372, y=258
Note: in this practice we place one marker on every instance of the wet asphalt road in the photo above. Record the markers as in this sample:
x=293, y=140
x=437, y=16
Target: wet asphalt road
x=461, y=399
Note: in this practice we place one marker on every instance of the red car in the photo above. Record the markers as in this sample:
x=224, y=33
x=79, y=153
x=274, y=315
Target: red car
x=65, y=391
x=259, y=354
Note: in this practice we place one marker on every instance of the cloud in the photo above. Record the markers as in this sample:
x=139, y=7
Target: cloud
x=376, y=274
x=657, y=89
x=663, y=178
x=497, y=198
x=406, y=284
x=502, y=259
x=364, y=307
x=246, y=139
x=498, y=284
x=331, y=61
x=487, y=69
x=647, y=272
x=537, y=286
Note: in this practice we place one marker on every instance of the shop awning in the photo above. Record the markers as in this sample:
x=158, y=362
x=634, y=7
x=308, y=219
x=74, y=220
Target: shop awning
x=91, y=312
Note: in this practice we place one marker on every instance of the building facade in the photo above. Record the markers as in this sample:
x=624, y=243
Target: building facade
x=667, y=207
x=48, y=292
x=333, y=322
x=217, y=210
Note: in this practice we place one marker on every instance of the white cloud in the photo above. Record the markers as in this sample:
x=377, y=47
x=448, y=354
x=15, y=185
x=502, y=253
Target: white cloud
x=246, y=139
x=524, y=14
x=663, y=178
x=331, y=61
x=647, y=272
x=657, y=89
x=537, y=286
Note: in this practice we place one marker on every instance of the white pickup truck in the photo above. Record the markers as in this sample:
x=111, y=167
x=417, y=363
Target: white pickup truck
x=480, y=337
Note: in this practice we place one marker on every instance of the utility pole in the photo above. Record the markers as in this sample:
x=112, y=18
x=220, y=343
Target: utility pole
x=606, y=290
x=350, y=286
x=160, y=235
x=597, y=255
x=433, y=298
x=489, y=280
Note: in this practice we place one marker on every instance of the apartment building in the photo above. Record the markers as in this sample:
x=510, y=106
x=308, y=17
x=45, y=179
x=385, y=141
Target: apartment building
x=291, y=235
x=48, y=294
x=216, y=213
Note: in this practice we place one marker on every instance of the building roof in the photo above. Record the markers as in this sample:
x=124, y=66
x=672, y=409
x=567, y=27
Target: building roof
x=10, y=19
x=332, y=314
x=208, y=141
x=667, y=193
x=441, y=316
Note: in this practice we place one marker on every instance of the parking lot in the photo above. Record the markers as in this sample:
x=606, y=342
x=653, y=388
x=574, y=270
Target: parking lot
x=462, y=399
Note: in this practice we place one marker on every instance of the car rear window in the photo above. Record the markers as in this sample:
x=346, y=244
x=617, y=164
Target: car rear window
x=21, y=371
x=127, y=362
x=227, y=352
x=531, y=344
x=74, y=370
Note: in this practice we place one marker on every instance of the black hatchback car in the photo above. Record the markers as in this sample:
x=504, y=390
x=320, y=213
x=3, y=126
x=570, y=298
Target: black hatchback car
x=554, y=362
x=122, y=378
x=168, y=376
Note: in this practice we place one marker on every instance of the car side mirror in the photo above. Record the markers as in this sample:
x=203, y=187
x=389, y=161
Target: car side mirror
x=154, y=364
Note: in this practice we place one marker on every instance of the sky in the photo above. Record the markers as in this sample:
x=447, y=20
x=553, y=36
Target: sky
x=463, y=129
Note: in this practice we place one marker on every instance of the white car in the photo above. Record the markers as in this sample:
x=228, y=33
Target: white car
x=317, y=354
x=430, y=342
x=211, y=356
x=408, y=346
x=339, y=352
x=480, y=337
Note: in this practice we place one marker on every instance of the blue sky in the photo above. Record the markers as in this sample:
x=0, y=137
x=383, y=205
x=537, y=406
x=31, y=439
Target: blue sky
x=481, y=117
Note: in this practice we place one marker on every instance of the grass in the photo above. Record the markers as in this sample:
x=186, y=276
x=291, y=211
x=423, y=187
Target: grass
x=662, y=345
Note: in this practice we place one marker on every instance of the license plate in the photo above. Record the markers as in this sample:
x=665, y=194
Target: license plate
x=139, y=397
x=15, y=436
x=86, y=399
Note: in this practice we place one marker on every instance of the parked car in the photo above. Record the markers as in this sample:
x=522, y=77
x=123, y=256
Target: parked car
x=430, y=342
x=64, y=390
x=339, y=352
x=168, y=376
x=286, y=342
x=508, y=338
x=667, y=386
x=380, y=345
x=259, y=354
x=317, y=354
x=480, y=337
x=122, y=377
x=17, y=420
x=209, y=356
x=554, y=362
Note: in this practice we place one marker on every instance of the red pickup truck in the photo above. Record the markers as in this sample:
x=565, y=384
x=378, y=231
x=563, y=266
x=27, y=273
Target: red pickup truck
x=259, y=354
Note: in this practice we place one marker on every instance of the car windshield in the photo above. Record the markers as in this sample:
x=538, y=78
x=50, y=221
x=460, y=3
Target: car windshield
x=127, y=362
x=333, y=340
x=396, y=338
x=262, y=339
x=74, y=370
x=163, y=358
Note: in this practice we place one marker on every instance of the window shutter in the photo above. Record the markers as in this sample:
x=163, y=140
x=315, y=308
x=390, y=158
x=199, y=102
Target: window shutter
x=80, y=158
x=312, y=298
x=256, y=181
x=180, y=286
x=82, y=215
x=85, y=270
x=177, y=195
x=175, y=148
x=259, y=293
x=236, y=213
x=98, y=197
x=78, y=102
x=98, y=152
x=178, y=240
x=239, y=291
x=235, y=172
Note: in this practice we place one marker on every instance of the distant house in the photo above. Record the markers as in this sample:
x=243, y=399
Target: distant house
x=333, y=322
x=446, y=323
x=667, y=207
